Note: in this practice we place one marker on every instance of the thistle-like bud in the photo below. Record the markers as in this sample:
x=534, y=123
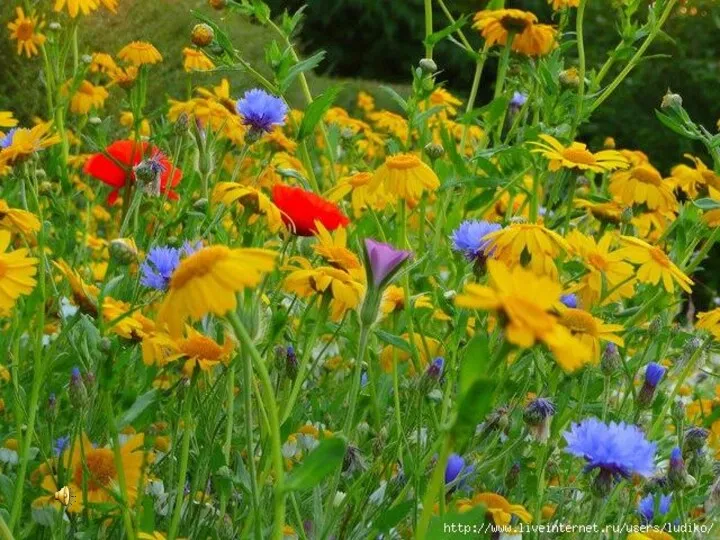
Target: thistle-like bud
x=202, y=35
x=677, y=474
x=691, y=347
x=653, y=374
x=78, y=391
x=182, y=124
x=671, y=101
x=538, y=416
x=428, y=65
x=656, y=326
x=434, y=150
x=512, y=476
x=123, y=251
x=677, y=411
x=291, y=362
x=610, y=361
x=353, y=460
x=695, y=438
x=570, y=77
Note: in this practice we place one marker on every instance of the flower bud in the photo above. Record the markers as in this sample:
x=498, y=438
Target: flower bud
x=610, y=361
x=182, y=124
x=677, y=475
x=55, y=26
x=434, y=150
x=609, y=143
x=428, y=65
x=653, y=374
x=200, y=205
x=671, y=101
x=512, y=476
x=52, y=406
x=570, y=77
x=677, y=411
x=695, y=438
x=291, y=362
x=78, y=392
x=123, y=250
x=202, y=35
x=656, y=326
x=538, y=416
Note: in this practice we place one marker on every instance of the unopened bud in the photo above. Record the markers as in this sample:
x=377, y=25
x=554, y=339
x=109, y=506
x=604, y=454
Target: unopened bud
x=200, y=204
x=610, y=361
x=428, y=65
x=123, y=250
x=695, y=438
x=569, y=77
x=434, y=150
x=202, y=35
x=181, y=124
x=538, y=416
x=671, y=101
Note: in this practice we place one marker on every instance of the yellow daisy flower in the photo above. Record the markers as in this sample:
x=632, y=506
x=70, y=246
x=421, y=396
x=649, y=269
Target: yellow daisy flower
x=102, y=63
x=529, y=37
x=405, y=176
x=610, y=211
x=390, y=123
x=693, y=179
x=25, y=142
x=363, y=192
x=195, y=348
x=517, y=242
x=140, y=53
x=427, y=348
x=127, y=322
x=26, y=31
x=16, y=273
x=393, y=301
x=206, y=282
x=249, y=198
x=195, y=60
x=443, y=99
x=605, y=267
x=84, y=295
x=525, y=301
x=654, y=265
x=124, y=78
x=365, y=102
x=333, y=248
x=7, y=120
x=75, y=7
x=17, y=220
x=710, y=321
x=643, y=184
x=86, y=97
x=590, y=330
x=499, y=508
x=557, y=5
x=577, y=157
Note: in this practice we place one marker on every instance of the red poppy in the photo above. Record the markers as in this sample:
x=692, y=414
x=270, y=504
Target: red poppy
x=300, y=209
x=115, y=166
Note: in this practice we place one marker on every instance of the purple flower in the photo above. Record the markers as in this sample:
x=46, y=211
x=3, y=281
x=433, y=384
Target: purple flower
x=518, y=100
x=454, y=467
x=383, y=261
x=570, y=300
x=649, y=504
x=261, y=111
x=435, y=369
x=615, y=449
x=61, y=443
x=653, y=373
x=159, y=266
x=469, y=238
x=7, y=139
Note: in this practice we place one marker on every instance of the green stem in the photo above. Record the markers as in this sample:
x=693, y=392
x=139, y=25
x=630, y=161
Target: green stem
x=5, y=533
x=581, y=65
x=357, y=376
x=433, y=489
x=709, y=243
x=479, y=65
x=500, y=82
x=428, y=28
x=184, y=458
x=273, y=417
x=247, y=395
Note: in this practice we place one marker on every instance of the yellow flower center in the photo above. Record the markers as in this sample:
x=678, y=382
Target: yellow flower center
x=86, y=88
x=514, y=24
x=659, y=257
x=198, y=265
x=647, y=175
x=579, y=322
x=25, y=30
x=579, y=155
x=403, y=161
x=598, y=261
x=101, y=464
x=11, y=444
x=360, y=179
x=203, y=347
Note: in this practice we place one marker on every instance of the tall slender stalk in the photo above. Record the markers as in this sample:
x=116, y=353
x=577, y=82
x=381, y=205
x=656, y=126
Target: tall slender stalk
x=428, y=28
x=184, y=458
x=581, y=65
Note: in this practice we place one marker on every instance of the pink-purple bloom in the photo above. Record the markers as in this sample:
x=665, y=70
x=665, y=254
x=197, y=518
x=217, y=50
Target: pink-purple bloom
x=383, y=261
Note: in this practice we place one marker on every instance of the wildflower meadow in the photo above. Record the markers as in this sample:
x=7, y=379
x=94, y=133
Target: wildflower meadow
x=270, y=310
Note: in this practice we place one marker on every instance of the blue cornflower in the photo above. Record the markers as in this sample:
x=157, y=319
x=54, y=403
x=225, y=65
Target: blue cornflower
x=469, y=238
x=615, y=449
x=653, y=373
x=518, y=100
x=648, y=505
x=261, y=111
x=435, y=369
x=570, y=300
x=159, y=266
x=61, y=443
x=454, y=467
x=7, y=139
x=75, y=375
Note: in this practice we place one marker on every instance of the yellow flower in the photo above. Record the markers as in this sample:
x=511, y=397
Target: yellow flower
x=590, y=330
x=7, y=120
x=195, y=60
x=74, y=7
x=102, y=63
x=710, y=321
x=391, y=123
x=605, y=267
x=526, y=300
x=250, y=198
x=25, y=142
x=427, y=348
x=111, y=5
x=529, y=37
x=206, y=282
x=94, y=470
x=363, y=192
x=557, y=5
x=518, y=241
x=393, y=300
x=84, y=295
x=194, y=348
x=406, y=177
x=691, y=180
x=610, y=211
x=577, y=157
x=127, y=120
x=654, y=265
x=642, y=184
x=443, y=99
x=140, y=53
x=87, y=96
x=155, y=535
x=333, y=248
x=497, y=506
x=26, y=31
x=365, y=102
x=124, y=78
x=16, y=273
x=127, y=322
x=649, y=535
x=16, y=220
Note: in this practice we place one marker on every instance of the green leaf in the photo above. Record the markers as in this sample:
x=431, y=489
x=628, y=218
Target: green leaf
x=316, y=110
x=707, y=204
x=395, y=341
x=472, y=408
x=318, y=465
x=475, y=362
x=391, y=517
x=438, y=36
x=137, y=408
x=261, y=11
x=469, y=524
x=301, y=67
x=397, y=98
x=676, y=126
